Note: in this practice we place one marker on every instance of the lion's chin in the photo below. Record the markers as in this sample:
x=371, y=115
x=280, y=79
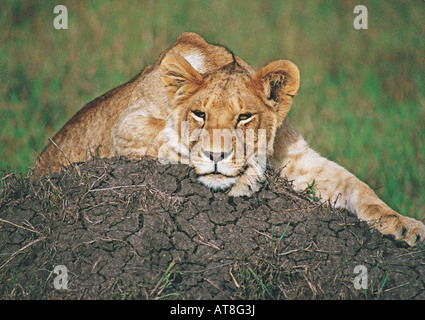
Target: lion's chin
x=217, y=181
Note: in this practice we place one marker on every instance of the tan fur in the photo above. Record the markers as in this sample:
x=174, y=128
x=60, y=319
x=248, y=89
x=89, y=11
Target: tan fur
x=201, y=105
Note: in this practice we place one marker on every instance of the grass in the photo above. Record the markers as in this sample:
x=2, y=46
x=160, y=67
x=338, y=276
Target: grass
x=361, y=101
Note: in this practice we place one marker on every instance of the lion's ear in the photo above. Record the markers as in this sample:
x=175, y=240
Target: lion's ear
x=278, y=82
x=179, y=77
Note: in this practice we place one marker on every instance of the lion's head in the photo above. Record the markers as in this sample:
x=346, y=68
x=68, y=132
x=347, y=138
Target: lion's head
x=224, y=122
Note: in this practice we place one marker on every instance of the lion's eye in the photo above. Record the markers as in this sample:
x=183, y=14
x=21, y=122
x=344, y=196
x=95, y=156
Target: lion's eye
x=199, y=114
x=244, y=116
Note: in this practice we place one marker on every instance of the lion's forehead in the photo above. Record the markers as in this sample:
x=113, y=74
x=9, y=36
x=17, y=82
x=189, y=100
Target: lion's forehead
x=224, y=97
x=231, y=100
x=230, y=82
x=222, y=109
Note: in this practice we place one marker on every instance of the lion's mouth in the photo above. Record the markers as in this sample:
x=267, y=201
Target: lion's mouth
x=217, y=170
x=217, y=181
x=220, y=179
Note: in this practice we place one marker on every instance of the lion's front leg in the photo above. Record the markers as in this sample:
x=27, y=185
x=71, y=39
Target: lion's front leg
x=304, y=166
x=248, y=183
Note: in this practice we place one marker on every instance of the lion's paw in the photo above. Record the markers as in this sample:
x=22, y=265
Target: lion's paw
x=402, y=228
x=239, y=190
x=242, y=188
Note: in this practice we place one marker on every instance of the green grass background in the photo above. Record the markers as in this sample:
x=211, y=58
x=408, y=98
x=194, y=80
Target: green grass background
x=361, y=101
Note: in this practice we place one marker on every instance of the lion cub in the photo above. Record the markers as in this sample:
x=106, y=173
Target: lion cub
x=202, y=105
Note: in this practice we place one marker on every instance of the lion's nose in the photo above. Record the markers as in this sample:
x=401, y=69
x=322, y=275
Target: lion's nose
x=216, y=156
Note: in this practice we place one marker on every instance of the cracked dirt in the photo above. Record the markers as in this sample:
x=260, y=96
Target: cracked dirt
x=141, y=230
